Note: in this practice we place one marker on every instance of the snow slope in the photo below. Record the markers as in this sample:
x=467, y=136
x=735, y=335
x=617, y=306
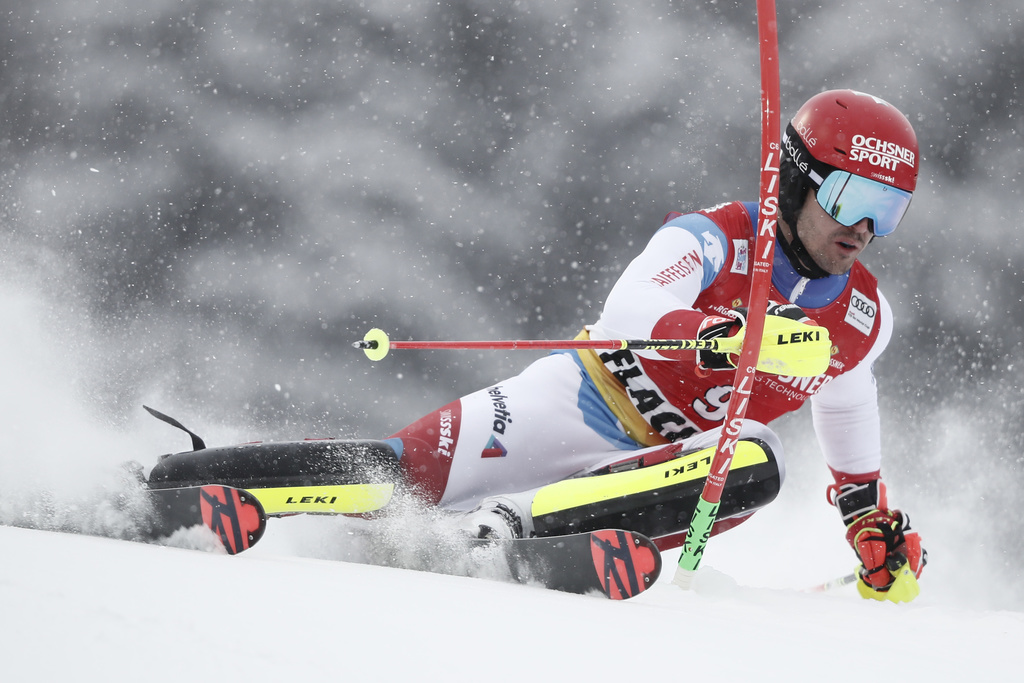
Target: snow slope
x=74, y=603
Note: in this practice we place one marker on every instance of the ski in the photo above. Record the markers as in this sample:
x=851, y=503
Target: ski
x=355, y=477
x=615, y=563
x=234, y=515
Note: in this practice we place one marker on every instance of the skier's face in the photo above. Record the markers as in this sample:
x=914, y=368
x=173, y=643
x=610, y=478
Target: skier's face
x=833, y=246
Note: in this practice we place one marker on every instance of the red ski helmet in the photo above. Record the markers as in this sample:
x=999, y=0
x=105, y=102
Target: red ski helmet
x=858, y=153
x=859, y=133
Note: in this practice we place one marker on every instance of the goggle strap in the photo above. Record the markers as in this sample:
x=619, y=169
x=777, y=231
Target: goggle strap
x=817, y=171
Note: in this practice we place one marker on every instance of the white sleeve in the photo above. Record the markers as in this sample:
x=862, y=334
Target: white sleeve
x=845, y=411
x=667, y=275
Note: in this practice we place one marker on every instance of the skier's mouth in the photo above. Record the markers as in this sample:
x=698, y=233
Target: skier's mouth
x=849, y=244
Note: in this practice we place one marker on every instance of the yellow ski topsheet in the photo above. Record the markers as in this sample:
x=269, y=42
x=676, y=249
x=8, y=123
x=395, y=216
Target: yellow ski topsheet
x=337, y=500
x=573, y=493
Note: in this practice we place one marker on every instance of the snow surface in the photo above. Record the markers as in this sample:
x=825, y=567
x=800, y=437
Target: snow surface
x=73, y=603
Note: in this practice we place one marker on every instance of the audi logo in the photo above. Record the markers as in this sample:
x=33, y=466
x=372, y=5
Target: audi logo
x=864, y=306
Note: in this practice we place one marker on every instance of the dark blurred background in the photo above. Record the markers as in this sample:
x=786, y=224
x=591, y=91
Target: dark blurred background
x=209, y=200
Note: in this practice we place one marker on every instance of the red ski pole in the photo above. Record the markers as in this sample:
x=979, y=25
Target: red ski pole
x=707, y=506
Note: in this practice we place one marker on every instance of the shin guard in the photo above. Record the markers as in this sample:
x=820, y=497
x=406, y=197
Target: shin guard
x=658, y=500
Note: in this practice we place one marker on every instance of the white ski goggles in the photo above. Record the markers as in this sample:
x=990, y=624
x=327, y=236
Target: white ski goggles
x=851, y=198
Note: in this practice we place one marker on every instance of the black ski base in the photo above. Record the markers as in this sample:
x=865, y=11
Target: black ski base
x=615, y=563
x=234, y=515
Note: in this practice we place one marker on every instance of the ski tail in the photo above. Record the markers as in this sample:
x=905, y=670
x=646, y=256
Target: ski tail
x=234, y=515
x=612, y=562
x=626, y=563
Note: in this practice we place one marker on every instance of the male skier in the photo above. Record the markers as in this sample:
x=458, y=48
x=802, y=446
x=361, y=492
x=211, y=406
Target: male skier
x=848, y=170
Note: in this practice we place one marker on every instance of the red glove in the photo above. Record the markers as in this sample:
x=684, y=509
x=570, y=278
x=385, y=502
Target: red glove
x=716, y=327
x=882, y=538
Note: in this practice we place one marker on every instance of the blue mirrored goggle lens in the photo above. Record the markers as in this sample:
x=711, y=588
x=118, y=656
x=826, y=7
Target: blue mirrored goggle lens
x=850, y=198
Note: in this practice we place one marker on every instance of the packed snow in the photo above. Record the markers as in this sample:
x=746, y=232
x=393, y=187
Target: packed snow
x=128, y=611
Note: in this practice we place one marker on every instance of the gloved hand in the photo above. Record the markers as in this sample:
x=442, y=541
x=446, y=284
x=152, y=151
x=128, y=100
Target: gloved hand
x=888, y=548
x=718, y=326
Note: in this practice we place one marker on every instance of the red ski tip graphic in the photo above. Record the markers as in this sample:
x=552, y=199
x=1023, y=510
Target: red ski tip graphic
x=235, y=516
x=626, y=563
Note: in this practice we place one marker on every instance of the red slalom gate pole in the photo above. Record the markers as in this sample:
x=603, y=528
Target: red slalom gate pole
x=764, y=249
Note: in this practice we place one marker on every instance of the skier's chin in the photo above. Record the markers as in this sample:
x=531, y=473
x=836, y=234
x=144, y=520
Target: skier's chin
x=839, y=264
